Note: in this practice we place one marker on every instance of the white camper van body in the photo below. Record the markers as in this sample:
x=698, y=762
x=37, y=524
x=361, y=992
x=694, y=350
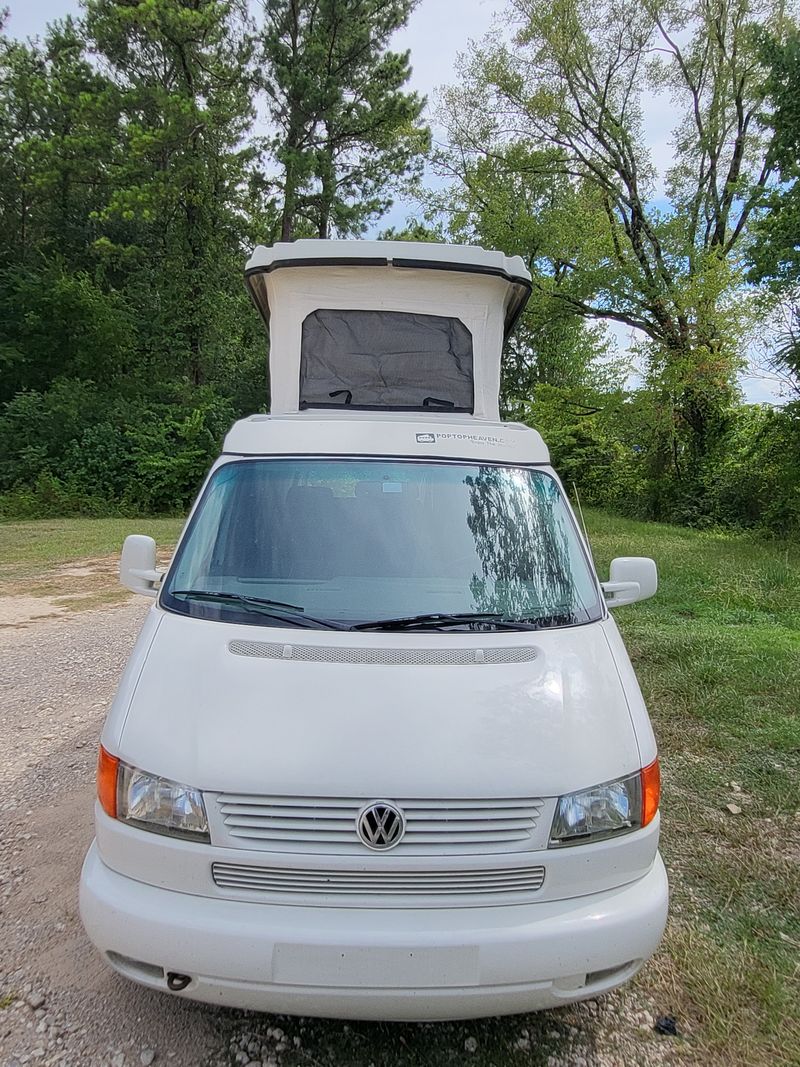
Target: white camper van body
x=346, y=773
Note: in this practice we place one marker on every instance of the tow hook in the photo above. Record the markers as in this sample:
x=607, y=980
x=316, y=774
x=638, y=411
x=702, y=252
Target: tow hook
x=176, y=982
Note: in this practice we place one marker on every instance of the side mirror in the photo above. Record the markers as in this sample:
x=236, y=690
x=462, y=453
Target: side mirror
x=137, y=565
x=632, y=578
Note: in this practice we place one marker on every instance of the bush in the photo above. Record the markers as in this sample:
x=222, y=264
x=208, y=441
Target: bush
x=171, y=453
x=753, y=479
x=50, y=498
x=74, y=451
x=610, y=447
x=588, y=449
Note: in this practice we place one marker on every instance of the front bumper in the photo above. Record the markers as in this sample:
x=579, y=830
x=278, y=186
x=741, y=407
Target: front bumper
x=404, y=964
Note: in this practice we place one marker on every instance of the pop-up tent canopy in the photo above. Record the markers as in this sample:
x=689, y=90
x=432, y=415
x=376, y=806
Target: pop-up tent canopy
x=386, y=325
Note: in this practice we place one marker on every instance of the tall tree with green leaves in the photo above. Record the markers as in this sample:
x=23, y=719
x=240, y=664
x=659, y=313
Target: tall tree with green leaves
x=775, y=253
x=346, y=131
x=513, y=198
x=667, y=262
x=57, y=137
x=175, y=219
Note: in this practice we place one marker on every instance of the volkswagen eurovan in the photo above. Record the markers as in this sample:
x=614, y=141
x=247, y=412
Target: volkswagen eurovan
x=379, y=751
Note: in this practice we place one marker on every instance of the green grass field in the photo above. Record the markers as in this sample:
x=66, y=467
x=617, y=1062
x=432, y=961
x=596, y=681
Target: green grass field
x=36, y=556
x=717, y=652
x=32, y=547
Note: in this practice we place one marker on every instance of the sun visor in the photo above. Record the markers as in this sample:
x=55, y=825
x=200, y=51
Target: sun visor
x=356, y=324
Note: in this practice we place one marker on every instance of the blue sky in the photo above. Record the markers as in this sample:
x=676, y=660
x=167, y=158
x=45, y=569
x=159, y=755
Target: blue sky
x=437, y=32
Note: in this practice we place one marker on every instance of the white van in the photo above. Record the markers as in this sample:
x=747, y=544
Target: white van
x=379, y=751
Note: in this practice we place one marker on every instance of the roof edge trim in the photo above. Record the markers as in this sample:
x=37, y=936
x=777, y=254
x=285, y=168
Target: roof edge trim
x=523, y=286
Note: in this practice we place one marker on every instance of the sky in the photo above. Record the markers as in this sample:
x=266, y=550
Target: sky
x=437, y=32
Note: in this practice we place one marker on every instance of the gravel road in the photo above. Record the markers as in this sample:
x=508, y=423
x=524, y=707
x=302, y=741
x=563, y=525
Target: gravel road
x=59, y=1004
x=56, y=680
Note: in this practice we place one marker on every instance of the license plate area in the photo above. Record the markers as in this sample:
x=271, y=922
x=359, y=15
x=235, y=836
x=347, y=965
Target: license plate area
x=375, y=968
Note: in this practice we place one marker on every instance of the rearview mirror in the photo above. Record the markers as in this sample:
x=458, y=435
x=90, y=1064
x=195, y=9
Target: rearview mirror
x=137, y=565
x=632, y=578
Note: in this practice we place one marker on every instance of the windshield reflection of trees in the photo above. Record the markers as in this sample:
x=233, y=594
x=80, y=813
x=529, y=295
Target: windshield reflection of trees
x=522, y=545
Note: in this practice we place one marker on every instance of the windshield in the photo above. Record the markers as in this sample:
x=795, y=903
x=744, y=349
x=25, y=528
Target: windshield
x=346, y=542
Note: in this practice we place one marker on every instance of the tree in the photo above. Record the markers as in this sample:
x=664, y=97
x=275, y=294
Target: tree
x=775, y=254
x=512, y=197
x=570, y=86
x=131, y=190
x=57, y=135
x=414, y=230
x=346, y=132
x=174, y=221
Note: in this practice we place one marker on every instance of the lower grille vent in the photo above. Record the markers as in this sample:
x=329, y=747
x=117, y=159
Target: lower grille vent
x=382, y=888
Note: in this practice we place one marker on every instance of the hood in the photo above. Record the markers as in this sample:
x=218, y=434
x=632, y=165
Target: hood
x=511, y=714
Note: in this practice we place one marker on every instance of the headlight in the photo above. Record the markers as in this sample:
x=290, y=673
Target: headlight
x=149, y=802
x=606, y=810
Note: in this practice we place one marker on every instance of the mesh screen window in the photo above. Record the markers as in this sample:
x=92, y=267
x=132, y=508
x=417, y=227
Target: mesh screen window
x=393, y=360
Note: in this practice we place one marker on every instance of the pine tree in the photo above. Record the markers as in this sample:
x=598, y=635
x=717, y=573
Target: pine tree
x=346, y=132
x=182, y=86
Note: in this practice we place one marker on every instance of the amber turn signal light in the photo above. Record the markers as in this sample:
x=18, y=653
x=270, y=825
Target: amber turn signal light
x=107, y=767
x=651, y=791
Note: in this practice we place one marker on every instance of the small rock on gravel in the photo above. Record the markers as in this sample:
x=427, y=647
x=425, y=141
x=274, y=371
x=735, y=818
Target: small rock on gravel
x=146, y=1057
x=666, y=1024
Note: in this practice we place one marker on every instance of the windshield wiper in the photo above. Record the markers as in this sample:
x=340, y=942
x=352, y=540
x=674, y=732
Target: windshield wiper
x=446, y=620
x=264, y=606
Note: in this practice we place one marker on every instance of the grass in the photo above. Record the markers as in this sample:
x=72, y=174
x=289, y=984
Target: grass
x=34, y=558
x=28, y=547
x=717, y=653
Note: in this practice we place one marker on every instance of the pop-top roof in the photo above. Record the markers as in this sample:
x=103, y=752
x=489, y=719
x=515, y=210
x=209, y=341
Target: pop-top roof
x=386, y=325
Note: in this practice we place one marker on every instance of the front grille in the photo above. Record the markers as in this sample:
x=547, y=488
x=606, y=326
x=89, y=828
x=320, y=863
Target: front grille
x=326, y=825
x=382, y=888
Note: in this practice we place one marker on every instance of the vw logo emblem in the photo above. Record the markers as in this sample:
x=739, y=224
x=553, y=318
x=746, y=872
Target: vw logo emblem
x=380, y=825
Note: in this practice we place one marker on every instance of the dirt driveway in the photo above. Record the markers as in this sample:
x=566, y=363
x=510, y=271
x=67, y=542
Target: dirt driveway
x=56, y=678
x=60, y=1005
